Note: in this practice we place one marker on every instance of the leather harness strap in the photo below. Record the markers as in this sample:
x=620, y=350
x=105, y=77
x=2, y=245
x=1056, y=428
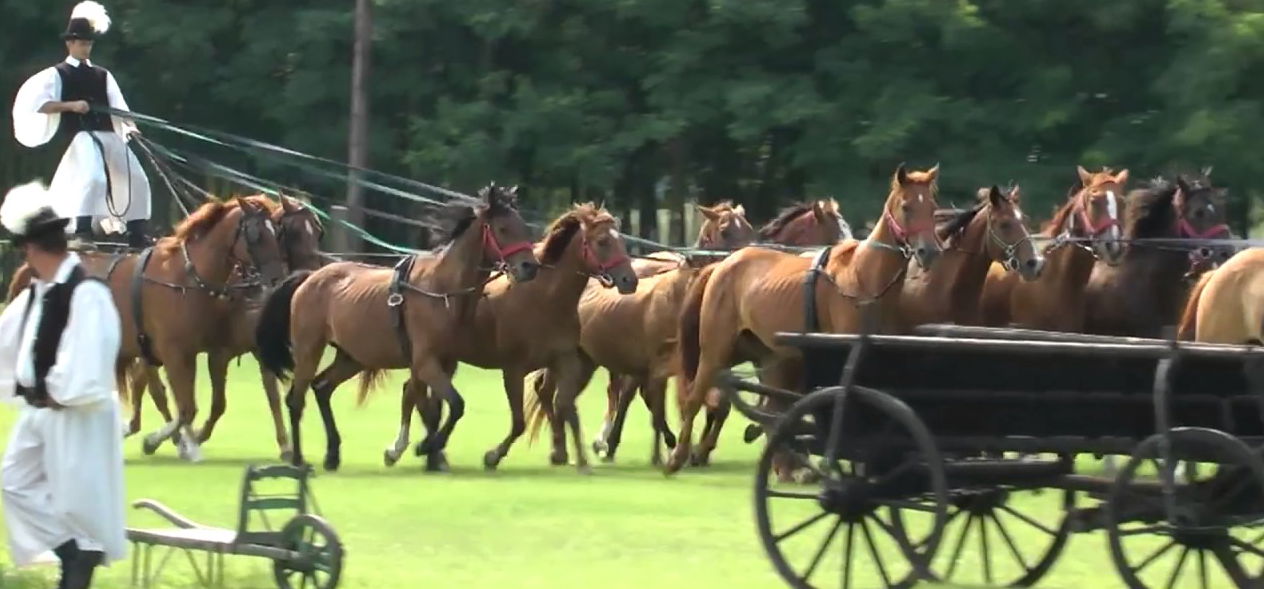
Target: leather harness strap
x=811, y=320
x=396, y=302
x=138, y=283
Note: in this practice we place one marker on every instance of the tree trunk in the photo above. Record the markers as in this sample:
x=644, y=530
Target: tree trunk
x=358, y=142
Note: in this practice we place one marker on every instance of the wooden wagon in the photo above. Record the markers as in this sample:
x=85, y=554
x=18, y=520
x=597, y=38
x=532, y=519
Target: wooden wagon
x=907, y=449
x=306, y=551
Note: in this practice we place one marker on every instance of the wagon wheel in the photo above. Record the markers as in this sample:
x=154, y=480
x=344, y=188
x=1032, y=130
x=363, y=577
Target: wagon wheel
x=319, y=565
x=1215, y=538
x=1012, y=543
x=851, y=495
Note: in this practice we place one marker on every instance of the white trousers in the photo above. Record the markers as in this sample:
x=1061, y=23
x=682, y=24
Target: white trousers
x=62, y=480
x=79, y=185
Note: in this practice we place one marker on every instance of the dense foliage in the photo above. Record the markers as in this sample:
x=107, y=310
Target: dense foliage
x=761, y=101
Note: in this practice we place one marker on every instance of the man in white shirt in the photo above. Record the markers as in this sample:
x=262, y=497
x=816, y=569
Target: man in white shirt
x=99, y=177
x=62, y=470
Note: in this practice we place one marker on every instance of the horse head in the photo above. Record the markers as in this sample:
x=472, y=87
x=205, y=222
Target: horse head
x=298, y=231
x=602, y=252
x=1008, y=240
x=1097, y=208
x=909, y=213
x=725, y=227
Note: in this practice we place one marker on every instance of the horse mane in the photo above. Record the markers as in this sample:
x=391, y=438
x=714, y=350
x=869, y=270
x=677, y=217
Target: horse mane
x=790, y=213
x=962, y=219
x=1063, y=212
x=457, y=216
x=1150, y=211
x=201, y=221
x=560, y=232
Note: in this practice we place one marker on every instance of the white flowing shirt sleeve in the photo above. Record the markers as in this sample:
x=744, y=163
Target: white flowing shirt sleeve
x=31, y=127
x=10, y=339
x=122, y=125
x=83, y=372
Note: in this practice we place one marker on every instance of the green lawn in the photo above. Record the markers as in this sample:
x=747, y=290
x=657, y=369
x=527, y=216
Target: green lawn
x=527, y=525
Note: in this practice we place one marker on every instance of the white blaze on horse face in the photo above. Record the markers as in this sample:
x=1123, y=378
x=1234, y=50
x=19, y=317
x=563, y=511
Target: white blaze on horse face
x=271, y=229
x=311, y=227
x=1112, y=209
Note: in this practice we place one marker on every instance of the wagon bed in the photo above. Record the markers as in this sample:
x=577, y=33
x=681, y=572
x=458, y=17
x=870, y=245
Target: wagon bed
x=928, y=425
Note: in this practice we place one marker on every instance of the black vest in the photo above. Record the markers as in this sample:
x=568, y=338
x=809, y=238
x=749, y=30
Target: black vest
x=53, y=320
x=88, y=83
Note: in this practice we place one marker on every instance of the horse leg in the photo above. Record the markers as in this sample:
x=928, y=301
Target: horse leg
x=429, y=410
x=629, y=386
x=601, y=444
x=136, y=381
x=182, y=375
x=710, y=362
x=429, y=370
x=654, y=393
x=711, y=433
x=217, y=365
x=513, y=379
x=407, y=400
x=573, y=370
x=274, y=405
x=342, y=368
x=158, y=394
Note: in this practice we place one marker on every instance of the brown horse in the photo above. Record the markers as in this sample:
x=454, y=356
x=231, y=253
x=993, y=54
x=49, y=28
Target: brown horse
x=1226, y=306
x=531, y=326
x=991, y=231
x=655, y=315
x=1146, y=291
x=299, y=231
x=428, y=301
x=735, y=307
x=184, y=284
x=1055, y=301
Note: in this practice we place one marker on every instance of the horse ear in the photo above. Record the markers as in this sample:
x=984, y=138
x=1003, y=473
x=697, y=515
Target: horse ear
x=1182, y=192
x=1207, y=172
x=244, y=204
x=933, y=173
x=995, y=198
x=818, y=211
x=739, y=210
x=1085, y=176
x=1015, y=194
x=287, y=204
x=707, y=212
x=901, y=175
x=1122, y=177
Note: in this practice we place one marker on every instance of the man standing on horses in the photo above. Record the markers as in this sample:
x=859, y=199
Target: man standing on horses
x=62, y=471
x=98, y=178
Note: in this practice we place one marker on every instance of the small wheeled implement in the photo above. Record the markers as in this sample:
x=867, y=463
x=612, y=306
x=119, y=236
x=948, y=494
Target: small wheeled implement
x=305, y=552
x=967, y=455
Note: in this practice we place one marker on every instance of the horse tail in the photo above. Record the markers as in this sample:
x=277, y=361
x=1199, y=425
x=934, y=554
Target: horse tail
x=1188, y=326
x=531, y=405
x=369, y=379
x=272, y=334
x=21, y=279
x=124, y=381
x=688, y=345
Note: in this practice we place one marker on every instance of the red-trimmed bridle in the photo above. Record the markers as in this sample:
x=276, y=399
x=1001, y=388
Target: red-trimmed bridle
x=1095, y=229
x=598, y=269
x=1185, y=229
x=492, y=247
x=902, y=234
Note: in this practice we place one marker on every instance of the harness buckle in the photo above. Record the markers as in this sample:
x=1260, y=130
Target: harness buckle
x=394, y=300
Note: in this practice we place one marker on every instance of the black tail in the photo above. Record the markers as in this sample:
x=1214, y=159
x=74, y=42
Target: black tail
x=272, y=334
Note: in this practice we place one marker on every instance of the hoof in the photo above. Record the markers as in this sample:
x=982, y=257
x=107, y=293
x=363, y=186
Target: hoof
x=752, y=433
x=656, y=460
x=675, y=461
x=558, y=458
x=600, y=447
x=287, y=455
x=389, y=457
x=148, y=446
x=608, y=459
x=699, y=457
x=332, y=462
x=436, y=462
x=423, y=447
x=584, y=469
x=669, y=439
x=491, y=460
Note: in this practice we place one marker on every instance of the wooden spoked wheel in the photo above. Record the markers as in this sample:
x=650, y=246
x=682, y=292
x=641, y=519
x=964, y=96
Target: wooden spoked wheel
x=1196, y=531
x=837, y=530
x=318, y=564
x=998, y=537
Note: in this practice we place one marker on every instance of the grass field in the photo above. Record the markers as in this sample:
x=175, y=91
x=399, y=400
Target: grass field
x=527, y=525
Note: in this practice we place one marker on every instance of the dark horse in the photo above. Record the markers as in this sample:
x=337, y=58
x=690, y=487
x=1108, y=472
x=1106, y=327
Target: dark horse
x=1145, y=292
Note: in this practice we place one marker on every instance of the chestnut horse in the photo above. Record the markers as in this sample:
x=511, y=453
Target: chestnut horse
x=1226, y=306
x=526, y=327
x=655, y=312
x=183, y=285
x=735, y=307
x=298, y=231
x=1055, y=300
x=991, y=231
x=1148, y=289
x=427, y=301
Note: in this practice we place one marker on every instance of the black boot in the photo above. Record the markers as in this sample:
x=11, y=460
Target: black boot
x=67, y=553
x=138, y=233
x=79, y=574
x=82, y=238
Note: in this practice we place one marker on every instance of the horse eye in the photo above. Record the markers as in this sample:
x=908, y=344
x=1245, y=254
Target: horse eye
x=1006, y=225
x=905, y=207
x=1200, y=213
